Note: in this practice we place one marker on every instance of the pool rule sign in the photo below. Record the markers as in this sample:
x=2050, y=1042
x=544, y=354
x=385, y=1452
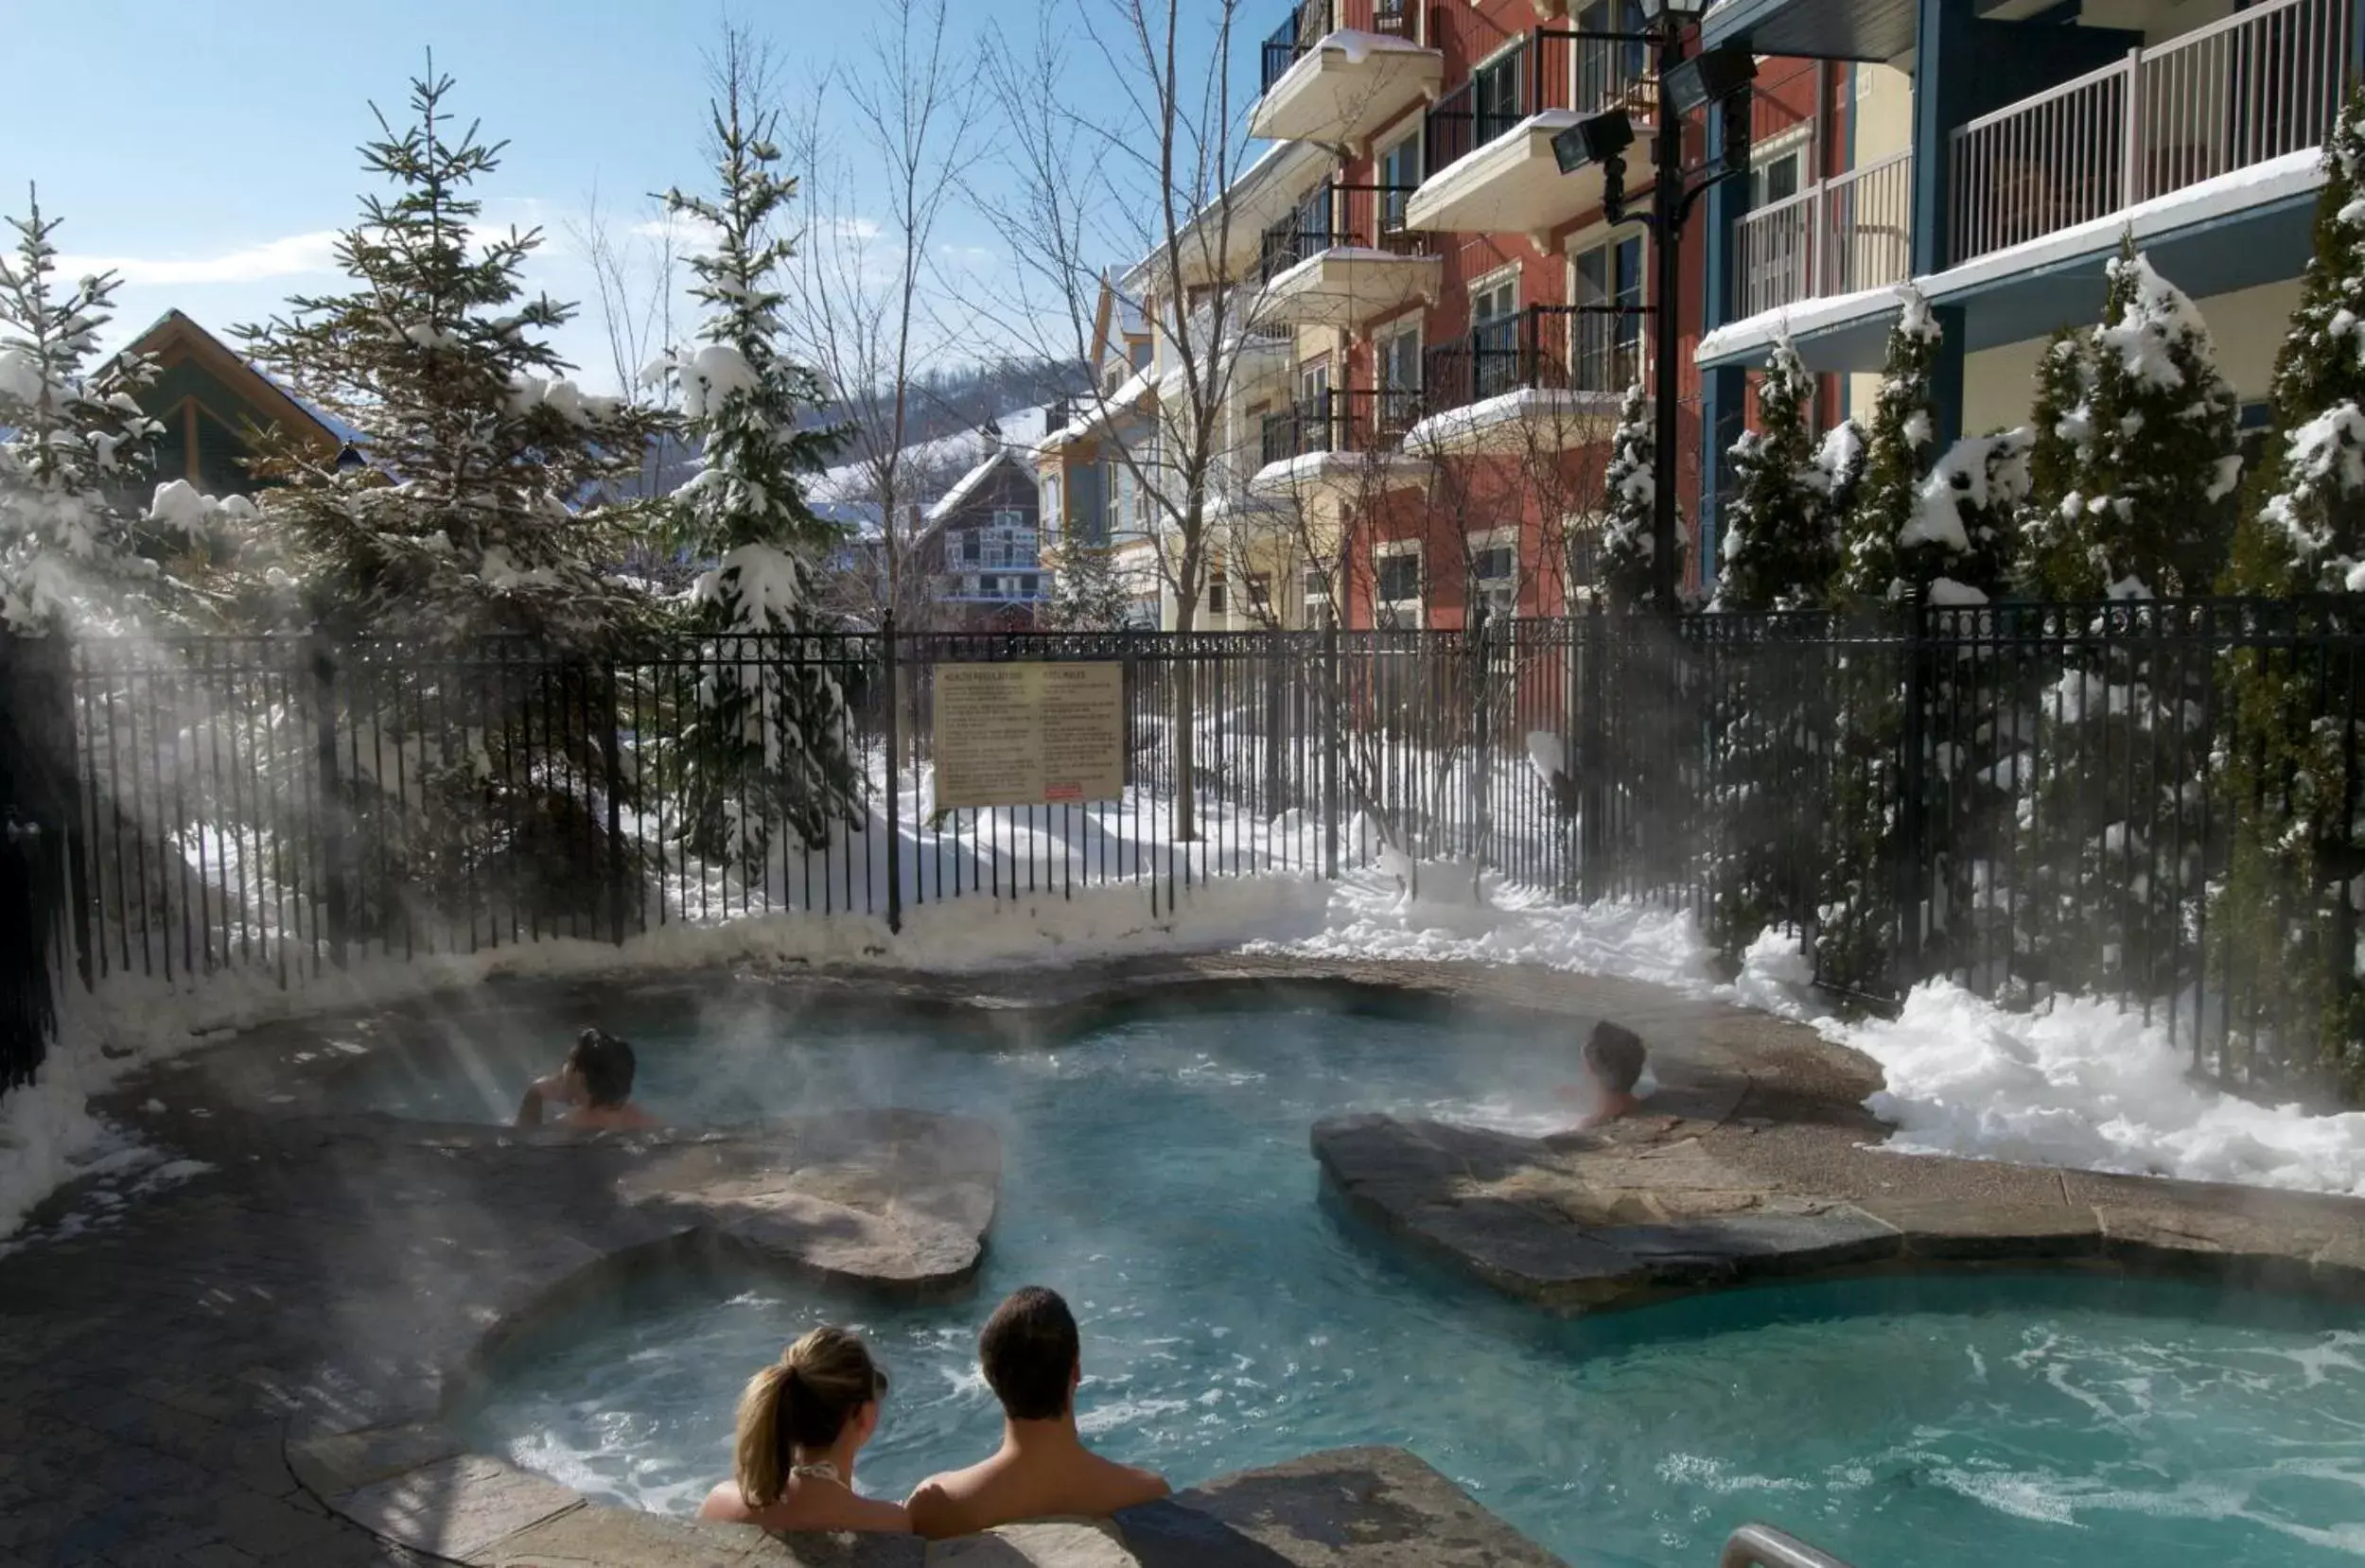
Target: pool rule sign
x=1029, y=734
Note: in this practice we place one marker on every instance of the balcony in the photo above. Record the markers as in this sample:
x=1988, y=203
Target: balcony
x=1339, y=70
x=1341, y=439
x=1836, y=237
x=1490, y=140
x=1544, y=380
x=2261, y=87
x=1346, y=259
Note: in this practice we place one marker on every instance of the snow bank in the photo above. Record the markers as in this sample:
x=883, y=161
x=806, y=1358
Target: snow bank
x=2086, y=1085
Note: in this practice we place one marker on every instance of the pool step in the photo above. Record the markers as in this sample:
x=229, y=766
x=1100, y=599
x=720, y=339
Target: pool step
x=1763, y=1546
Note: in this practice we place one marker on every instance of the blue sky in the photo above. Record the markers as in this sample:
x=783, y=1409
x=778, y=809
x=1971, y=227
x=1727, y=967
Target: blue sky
x=207, y=151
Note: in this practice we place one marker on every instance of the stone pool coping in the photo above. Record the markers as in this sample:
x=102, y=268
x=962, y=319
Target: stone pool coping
x=416, y=1246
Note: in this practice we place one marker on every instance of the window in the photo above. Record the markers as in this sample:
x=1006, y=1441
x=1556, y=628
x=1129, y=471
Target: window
x=1313, y=411
x=1495, y=335
x=1584, y=550
x=1260, y=592
x=1496, y=96
x=1028, y=586
x=1400, y=173
x=989, y=586
x=1606, y=68
x=1051, y=498
x=1400, y=379
x=1495, y=574
x=1778, y=166
x=1608, y=349
x=968, y=553
x=1008, y=518
x=1137, y=352
x=1215, y=590
x=1315, y=586
x=1396, y=584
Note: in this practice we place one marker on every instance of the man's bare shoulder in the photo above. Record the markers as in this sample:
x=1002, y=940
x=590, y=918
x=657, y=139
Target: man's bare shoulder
x=943, y=1504
x=1120, y=1486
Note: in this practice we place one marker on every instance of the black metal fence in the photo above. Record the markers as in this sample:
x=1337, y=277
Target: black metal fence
x=2156, y=801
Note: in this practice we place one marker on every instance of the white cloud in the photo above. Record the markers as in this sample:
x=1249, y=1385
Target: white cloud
x=684, y=228
x=861, y=231
x=292, y=256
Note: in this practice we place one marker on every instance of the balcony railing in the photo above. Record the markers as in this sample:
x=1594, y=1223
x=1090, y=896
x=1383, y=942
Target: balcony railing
x=1845, y=233
x=1594, y=348
x=1549, y=68
x=1312, y=21
x=1344, y=419
x=2253, y=87
x=1362, y=217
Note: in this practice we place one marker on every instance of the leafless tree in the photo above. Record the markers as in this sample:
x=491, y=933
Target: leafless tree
x=636, y=268
x=861, y=299
x=1134, y=183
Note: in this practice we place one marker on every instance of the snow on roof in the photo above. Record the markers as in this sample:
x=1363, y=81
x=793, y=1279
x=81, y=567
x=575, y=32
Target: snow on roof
x=1523, y=403
x=967, y=486
x=1097, y=413
x=1020, y=427
x=2293, y=174
x=1509, y=144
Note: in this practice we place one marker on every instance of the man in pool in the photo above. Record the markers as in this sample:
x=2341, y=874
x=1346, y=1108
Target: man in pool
x=1613, y=1065
x=1043, y=1469
x=594, y=1083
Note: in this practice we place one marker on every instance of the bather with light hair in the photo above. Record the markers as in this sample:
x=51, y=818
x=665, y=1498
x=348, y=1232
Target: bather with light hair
x=801, y=1422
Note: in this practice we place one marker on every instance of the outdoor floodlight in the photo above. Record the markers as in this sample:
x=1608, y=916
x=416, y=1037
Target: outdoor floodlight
x=1681, y=10
x=1595, y=139
x=1711, y=77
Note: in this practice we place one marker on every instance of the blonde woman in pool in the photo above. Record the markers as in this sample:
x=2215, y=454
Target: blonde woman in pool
x=801, y=1421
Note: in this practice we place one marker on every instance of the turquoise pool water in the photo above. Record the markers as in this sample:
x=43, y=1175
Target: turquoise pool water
x=1157, y=1174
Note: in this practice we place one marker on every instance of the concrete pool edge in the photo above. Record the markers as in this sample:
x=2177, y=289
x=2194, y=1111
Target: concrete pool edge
x=1663, y=1206
x=415, y=1486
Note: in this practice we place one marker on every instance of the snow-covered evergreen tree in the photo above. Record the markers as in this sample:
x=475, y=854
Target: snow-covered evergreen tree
x=1778, y=553
x=463, y=522
x=1841, y=464
x=1902, y=430
x=2150, y=510
x=2110, y=850
x=2288, y=772
x=1772, y=713
x=2058, y=449
x=1087, y=595
x=70, y=447
x=484, y=796
x=769, y=745
x=1623, y=569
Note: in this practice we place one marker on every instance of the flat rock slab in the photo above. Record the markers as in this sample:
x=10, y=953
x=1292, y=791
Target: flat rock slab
x=1375, y=1507
x=1660, y=1204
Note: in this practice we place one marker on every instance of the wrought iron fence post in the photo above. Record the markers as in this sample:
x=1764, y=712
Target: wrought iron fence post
x=1479, y=780
x=336, y=888
x=894, y=784
x=1330, y=746
x=1277, y=694
x=1591, y=763
x=1913, y=814
x=612, y=760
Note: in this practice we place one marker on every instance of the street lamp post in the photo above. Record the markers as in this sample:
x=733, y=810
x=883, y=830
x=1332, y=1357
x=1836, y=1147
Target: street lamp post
x=1719, y=75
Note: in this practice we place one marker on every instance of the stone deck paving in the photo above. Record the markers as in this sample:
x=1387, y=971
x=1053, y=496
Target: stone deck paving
x=196, y=1383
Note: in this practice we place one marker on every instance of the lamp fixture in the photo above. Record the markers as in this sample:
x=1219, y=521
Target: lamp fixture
x=1595, y=139
x=1709, y=77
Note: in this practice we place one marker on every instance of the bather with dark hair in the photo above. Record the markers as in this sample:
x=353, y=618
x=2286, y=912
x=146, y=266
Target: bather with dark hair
x=1032, y=1361
x=801, y=1422
x=1614, y=1058
x=594, y=1083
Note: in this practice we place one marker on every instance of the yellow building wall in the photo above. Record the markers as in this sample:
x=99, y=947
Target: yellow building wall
x=1885, y=124
x=2248, y=326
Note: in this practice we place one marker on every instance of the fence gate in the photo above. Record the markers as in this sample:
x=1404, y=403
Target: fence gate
x=35, y=800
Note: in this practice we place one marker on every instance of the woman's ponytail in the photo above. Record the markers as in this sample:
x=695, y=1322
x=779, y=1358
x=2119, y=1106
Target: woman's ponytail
x=802, y=1401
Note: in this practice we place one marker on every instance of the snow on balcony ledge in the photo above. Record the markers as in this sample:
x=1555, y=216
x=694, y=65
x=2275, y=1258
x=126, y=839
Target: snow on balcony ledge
x=1311, y=470
x=1470, y=425
x=2293, y=174
x=1375, y=76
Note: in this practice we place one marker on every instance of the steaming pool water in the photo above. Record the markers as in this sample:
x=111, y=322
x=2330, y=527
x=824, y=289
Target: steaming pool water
x=1156, y=1173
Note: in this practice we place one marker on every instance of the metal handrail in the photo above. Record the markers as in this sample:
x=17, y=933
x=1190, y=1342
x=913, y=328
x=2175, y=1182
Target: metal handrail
x=1763, y=1546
